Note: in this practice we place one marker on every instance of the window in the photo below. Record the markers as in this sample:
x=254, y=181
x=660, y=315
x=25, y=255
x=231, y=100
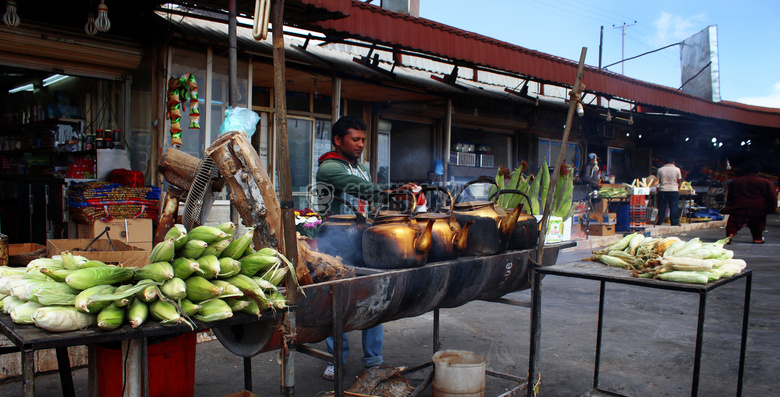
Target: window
x=550, y=149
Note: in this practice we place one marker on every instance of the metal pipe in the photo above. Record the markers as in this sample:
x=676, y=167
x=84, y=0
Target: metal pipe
x=599, y=334
x=575, y=95
x=536, y=329
x=699, y=341
x=285, y=192
x=447, y=139
x=743, y=344
x=232, y=53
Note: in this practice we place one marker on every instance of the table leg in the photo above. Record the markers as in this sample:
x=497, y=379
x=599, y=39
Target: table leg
x=135, y=376
x=536, y=330
x=63, y=366
x=743, y=345
x=436, y=340
x=597, y=365
x=28, y=373
x=699, y=334
x=92, y=372
x=338, y=340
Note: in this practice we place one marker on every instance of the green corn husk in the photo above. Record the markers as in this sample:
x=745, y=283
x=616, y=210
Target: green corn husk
x=62, y=319
x=682, y=276
x=249, y=250
x=125, y=301
x=189, y=307
x=268, y=251
x=165, y=312
x=275, y=300
x=111, y=317
x=493, y=190
x=210, y=266
x=633, y=245
x=22, y=314
x=275, y=275
x=179, y=235
x=544, y=184
x=690, y=245
x=35, y=274
x=564, y=194
x=11, y=302
x=123, y=291
x=213, y=310
x=69, y=260
x=137, y=313
x=200, y=289
x=21, y=290
x=6, y=271
x=185, y=267
x=45, y=263
x=163, y=251
x=237, y=247
x=672, y=249
x=209, y=234
x=6, y=283
x=55, y=298
x=264, y=284
x=148, y=293
x=91, y=263
x=82, y=299
x=16, y=282
x=157, y=271
x=228, y=290
x=247, y=286
x=192, y=249
x=104, y=275
x=257, y=263
x=619, y=245
x=237, y=304
x=45, y=286
x=174, y=288
x=615, y=261
x=228, y=267
x=253, y=308
x=229, y=228
x=58, y=275
x=216, y=248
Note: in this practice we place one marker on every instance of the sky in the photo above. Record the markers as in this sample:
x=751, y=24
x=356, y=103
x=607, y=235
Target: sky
x=748, y=33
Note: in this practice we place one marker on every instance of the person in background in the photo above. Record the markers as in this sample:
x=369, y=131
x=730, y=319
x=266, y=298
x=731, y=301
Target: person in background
x=748, y=199
x=431, y=197
x=590, y=172
x=346, y=175
x=669, y=178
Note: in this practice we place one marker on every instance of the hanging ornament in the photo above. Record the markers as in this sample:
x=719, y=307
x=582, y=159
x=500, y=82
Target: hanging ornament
x=90, y=27
x=10, y=18
x=102, y=23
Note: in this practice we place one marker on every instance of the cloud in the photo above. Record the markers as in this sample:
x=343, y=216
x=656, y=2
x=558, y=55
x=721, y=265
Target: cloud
x=770, y=101
x=673, y=28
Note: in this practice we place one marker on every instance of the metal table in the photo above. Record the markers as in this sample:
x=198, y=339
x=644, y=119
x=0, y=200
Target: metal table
x=604, y=274
x=28, y=339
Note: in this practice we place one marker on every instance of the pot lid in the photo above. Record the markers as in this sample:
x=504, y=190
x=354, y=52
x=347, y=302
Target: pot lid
x=432, y=215
x=472, y=205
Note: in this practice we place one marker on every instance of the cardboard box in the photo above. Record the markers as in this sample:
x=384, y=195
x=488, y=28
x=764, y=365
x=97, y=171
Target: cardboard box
x=601, y=230
x=609, y=218
x=135, y=231
x=600, y=207
x=244, y=393
x=639, y=191
x=686, y=192
x=16, y=249
x=122, y=254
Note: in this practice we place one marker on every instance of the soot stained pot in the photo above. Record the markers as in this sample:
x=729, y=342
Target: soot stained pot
x=492, y=226
x=342, y=235
x=449, y=239
x=526, y=232
x=396, y=240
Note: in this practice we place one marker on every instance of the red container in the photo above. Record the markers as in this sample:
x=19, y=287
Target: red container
x=171, y=368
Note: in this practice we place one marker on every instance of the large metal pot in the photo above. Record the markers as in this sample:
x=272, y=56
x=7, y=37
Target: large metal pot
x=449, y=239
x=395, y=240
x=492, y=226
x=526, y=232
x=342, y=235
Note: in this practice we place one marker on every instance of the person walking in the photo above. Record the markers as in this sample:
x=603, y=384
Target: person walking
x=748, y=199
x=341, y=171
x=669, y=178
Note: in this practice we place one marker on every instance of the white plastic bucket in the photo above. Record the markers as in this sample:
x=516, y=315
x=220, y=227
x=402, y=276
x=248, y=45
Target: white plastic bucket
x=458, y=373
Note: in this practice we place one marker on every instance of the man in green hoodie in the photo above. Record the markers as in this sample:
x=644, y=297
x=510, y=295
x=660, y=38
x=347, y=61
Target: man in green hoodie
x=341, y=171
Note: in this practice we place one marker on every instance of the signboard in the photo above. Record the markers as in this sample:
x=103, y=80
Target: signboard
x=700, y=75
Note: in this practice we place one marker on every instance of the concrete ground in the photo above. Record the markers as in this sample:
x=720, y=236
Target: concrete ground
x=648, y=343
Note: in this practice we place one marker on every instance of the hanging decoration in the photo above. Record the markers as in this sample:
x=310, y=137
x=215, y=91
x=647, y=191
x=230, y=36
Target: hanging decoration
x=102, y=23
x=181, y=90
x=10, y=17
x=90, y=27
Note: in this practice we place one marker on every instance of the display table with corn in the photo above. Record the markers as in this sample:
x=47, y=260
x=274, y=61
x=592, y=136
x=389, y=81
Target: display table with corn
x=671, y=258
x=204, y=274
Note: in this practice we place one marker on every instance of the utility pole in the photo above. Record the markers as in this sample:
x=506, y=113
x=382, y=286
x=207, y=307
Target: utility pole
x=623, y=53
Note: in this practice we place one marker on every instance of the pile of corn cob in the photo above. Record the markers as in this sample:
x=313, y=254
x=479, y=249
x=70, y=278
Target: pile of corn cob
x=537, y=187
x=205, y=274
x=671, y=259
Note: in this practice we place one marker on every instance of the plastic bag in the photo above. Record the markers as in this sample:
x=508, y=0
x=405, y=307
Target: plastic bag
x=239, y=119
x=439, y=167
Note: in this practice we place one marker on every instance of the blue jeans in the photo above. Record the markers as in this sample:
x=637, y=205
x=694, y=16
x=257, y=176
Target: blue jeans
x=372, y=347
x=670, y=199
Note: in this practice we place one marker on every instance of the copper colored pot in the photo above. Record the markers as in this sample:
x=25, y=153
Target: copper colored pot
x=492, y=226
x=342, y=235
x=526, y=232
x=396, y=240
x=449, y=239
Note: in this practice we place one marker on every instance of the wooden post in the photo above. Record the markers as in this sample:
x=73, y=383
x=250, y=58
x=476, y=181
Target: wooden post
x=575, y=95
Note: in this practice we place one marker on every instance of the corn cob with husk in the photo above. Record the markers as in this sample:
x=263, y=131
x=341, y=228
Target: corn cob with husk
x=228, y=267
x=62, y=319
x=189, y=307
x=200, y=289
x=229, y=228
x=258, y=262
x=216, y=248
x=174, y=288
x=185, y=267
x=237, y=247
x=157, y=271
x=22, y=314
x=193, y=249
x=214, y=310
x=137, y=313
x=683, y=277
x=111, y=317
x=89, y=277
x=163, y=251
x=544, y=184
x=82, y=299
x=166, y=312
x=209, y=264
x=208, y=234
x=228, y=290
x=564, y=193
x=179, y=235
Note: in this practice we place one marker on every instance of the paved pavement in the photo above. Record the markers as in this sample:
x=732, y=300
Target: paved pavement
x=648, y=345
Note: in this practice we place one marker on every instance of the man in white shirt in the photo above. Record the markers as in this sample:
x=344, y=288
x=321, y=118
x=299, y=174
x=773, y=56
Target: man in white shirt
x=669, y=177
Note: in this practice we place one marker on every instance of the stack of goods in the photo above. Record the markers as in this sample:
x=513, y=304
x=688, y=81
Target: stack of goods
x=637, y=213
x=671, y=259
x=203, y=274
x=92, y=201
x=601, y=222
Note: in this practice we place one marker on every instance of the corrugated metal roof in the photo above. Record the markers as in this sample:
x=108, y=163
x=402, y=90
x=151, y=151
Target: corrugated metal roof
x=372, y=23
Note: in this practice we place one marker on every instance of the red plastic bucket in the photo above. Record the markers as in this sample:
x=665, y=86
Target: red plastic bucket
x=171, y=368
